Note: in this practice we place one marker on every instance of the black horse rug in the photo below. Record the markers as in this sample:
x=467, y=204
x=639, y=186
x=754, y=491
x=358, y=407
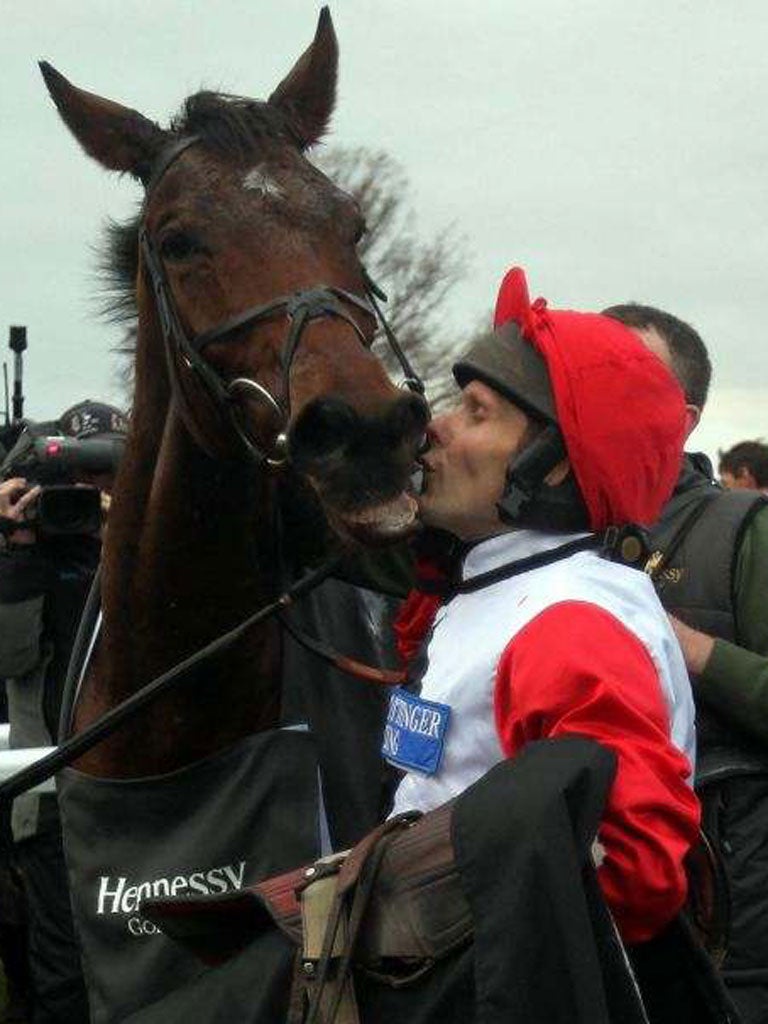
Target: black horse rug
x=248, y=812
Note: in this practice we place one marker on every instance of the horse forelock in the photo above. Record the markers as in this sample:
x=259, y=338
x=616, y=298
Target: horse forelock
x=233, y=126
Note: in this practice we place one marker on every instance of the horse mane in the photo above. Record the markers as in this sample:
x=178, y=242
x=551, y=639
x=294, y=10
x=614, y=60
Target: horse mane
x=233, y=126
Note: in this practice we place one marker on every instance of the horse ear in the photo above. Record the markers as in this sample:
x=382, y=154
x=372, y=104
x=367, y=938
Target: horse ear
x=307, y=95
x=121, y=139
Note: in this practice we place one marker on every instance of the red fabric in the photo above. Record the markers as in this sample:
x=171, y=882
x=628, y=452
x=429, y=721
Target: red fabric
x=513, y=302
x=621, y=411
x=413, y=622
x=417, y=613
x=598, y=680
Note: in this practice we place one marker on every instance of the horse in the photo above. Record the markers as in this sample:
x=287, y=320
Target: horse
x=263, y=427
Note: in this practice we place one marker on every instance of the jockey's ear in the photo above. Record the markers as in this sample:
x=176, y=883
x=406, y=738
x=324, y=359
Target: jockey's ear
x=121, y=139
x=692, y=417
x=559, y=473
x=307, y=95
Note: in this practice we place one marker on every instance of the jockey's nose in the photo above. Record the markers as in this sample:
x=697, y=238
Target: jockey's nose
x=437, y=431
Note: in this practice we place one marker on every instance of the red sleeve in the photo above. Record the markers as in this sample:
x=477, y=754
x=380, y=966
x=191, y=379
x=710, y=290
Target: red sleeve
x=576, y=669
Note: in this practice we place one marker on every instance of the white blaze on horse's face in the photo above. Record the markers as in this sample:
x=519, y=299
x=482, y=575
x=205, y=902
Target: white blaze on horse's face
x=258, y=180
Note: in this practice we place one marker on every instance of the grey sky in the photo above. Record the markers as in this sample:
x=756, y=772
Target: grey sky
x=616, y=150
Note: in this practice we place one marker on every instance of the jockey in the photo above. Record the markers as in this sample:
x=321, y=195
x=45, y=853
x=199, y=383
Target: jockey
x=567, y=428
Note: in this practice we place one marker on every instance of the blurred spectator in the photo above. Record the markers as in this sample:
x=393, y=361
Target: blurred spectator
x=46, y=570
x=710, y=566
x=745, y=466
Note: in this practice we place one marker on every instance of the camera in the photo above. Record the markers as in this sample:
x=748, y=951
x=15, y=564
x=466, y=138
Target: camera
x=55, y=462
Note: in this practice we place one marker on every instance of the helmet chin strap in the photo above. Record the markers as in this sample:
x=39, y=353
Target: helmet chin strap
x=527, y=472
x=530, y=503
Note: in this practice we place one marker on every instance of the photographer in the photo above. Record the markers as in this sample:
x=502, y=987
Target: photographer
x=56, y=490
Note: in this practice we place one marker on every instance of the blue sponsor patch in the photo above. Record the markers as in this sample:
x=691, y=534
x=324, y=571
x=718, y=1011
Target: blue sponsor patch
x=414, y=733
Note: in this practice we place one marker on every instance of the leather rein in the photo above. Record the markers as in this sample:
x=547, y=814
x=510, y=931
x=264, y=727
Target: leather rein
x=300, y=309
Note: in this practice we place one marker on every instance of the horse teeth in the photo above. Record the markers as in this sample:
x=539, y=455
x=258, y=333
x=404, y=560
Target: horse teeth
x=388, y=518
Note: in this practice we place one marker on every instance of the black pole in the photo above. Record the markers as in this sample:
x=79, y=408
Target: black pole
x=17, y=343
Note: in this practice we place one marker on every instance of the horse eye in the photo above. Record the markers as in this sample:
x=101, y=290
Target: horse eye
x=179, y=245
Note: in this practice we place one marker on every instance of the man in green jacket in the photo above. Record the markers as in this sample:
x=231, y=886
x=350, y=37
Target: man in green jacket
x=710, y=563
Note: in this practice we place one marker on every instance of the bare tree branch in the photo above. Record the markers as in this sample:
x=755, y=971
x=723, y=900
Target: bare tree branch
x=417, y=274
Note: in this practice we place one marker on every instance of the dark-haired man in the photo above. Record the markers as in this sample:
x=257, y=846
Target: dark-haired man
x=712, y=575
x=745, y=467
x=45, y=576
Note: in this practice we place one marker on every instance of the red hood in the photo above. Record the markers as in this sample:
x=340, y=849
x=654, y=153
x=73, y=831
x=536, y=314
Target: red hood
x=620, y=410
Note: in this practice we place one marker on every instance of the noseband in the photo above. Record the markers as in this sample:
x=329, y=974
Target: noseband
x=299, y=308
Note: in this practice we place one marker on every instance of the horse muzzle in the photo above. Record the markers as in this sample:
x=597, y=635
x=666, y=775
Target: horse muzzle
x=361, y=465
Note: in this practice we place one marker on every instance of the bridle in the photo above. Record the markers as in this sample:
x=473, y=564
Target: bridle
x=299, y=308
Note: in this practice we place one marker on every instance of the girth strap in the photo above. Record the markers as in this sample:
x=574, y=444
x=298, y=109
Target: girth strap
x=343, y=886
x=328, y=990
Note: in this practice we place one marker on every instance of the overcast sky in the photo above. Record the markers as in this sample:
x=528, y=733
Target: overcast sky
x=617, y=150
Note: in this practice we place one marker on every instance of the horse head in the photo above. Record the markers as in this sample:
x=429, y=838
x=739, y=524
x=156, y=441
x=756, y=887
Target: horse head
x=247, y=269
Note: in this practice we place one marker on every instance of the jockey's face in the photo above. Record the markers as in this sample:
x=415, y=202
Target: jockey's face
x=466, y=464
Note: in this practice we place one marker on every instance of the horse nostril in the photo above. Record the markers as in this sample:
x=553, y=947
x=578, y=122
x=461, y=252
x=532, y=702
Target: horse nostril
x=326, y=426
x=420, y=411
x=408, y=418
